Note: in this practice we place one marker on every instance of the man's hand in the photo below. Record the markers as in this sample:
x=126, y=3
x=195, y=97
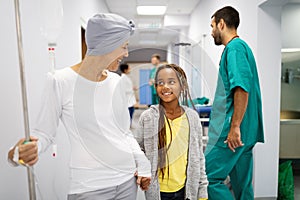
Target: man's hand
x=240, y=105
x=234, y=138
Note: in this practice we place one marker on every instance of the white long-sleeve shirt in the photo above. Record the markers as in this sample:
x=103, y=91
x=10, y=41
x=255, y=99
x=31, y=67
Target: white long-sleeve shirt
x=128, y=87
x=103, y=150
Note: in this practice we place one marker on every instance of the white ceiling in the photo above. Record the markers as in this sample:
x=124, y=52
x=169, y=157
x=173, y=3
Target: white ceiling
x=280, y=2
x=148, y=33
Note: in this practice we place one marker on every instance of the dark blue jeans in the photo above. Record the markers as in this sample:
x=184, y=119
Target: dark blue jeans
x=131, y=110
x=179, y=195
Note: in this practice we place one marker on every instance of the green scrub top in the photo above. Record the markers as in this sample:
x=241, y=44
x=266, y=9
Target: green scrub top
x=152, y=76
x=237, y=69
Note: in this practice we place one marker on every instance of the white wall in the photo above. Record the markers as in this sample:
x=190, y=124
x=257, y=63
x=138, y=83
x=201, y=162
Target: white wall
x=200, y=26
x=269, y=63
x=290, y=27
x=260, y=29
x=52, y=174
x=88, y=9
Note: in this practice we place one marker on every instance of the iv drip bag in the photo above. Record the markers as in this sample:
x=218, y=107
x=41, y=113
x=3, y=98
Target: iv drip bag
x=51, y=19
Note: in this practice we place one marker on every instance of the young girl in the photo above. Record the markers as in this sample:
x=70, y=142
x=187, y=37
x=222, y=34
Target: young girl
x=170, y=134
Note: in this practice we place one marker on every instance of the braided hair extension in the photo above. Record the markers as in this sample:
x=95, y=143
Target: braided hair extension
x=185, y=97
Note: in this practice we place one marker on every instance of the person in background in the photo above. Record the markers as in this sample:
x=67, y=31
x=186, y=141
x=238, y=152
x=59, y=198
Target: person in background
x=155, y=61
x=170, y=134
x=128, y=86
x=90, y=101
x=236, y=123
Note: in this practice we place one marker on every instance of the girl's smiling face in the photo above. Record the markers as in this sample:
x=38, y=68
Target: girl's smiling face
x=167, y=85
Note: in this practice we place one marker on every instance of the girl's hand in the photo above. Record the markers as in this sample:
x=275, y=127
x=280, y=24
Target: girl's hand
x=143, y=182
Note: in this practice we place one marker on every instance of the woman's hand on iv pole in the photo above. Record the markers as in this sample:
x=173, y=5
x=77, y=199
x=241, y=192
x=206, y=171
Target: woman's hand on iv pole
x=28, y=151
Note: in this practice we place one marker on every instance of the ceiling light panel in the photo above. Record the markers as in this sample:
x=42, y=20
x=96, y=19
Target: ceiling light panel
x=151, y=10
x=152, y=2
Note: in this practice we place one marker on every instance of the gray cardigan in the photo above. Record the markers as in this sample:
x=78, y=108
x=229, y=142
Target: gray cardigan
x=196, y=180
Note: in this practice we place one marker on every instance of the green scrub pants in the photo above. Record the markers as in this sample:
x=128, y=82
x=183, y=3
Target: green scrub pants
x=221, y=162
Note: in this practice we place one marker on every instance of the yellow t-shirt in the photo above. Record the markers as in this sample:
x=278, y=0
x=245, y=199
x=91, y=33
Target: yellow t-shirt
x=176, y=155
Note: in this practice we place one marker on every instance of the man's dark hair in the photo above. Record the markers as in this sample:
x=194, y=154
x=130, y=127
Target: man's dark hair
x=123, y=67
x=156, y=56
x=229, y=15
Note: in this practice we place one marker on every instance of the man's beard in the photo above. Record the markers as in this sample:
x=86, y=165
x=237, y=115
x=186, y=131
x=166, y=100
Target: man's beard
x=218, y=39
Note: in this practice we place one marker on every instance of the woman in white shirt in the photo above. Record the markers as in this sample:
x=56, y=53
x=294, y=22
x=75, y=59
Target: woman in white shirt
x=128, y=86
x=88, y=99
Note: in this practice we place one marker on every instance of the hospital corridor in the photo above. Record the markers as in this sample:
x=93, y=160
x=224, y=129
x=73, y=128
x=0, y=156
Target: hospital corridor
x=150, y=100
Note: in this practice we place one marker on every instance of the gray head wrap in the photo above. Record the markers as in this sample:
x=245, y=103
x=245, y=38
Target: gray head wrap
x=106, y=32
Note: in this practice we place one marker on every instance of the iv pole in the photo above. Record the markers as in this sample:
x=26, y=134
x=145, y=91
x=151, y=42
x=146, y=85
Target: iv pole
x=30, y=173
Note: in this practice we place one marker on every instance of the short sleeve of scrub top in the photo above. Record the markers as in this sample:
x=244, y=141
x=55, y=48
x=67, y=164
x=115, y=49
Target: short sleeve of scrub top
x=239, y=72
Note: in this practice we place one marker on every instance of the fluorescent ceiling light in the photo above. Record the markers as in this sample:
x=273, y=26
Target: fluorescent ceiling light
x=153, y=25
x=290, y=50
x=151, y=10
x=147, y=42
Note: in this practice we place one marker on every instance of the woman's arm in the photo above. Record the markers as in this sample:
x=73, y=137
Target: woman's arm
x=45, y=127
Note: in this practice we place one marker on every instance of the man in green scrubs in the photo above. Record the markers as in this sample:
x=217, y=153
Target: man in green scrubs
x=155, y=61
x=236, y=123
